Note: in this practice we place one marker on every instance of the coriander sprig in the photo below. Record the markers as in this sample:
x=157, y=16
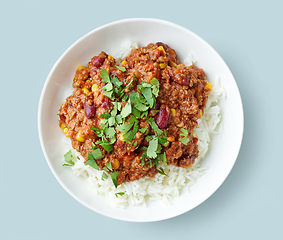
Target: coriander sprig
x=126, y=120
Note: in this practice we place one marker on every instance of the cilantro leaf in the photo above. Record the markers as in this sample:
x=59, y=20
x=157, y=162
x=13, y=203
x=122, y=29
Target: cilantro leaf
x=146, y=92
x=126, y=111
x=107, y=146
x=116, y=82
x=155, y=86
x=154, y=126
x=109, y=94
x=152, y=148
x=124, y=98
x=118, y=119
x=111, y=121
x=133, y=133
x=104, y=176
x=185, y=140
x=161, y=171
x=164, y=160
x=136, y=112
x=133, y=96
x=116, y=106
x=110, y=132
x=162, y=140
x=124, y=128
x=119, y=193
x=97, y=154
x=109, y=166
x=105, y=76
x=139, y=104
x=69, y=159
x=91, y=161
x=108, y=87
x=105, y=115
x=143, y=130
x=123, y=69
x=146, y=84
x=114, y=176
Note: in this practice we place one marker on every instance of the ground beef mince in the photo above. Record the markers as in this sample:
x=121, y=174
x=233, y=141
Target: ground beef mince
x=183, y=93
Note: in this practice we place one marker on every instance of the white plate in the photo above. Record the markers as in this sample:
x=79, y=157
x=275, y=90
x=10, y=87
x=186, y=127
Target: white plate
x=223, y=150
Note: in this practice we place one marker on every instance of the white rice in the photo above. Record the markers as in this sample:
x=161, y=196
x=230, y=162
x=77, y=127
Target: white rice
x=160, y=188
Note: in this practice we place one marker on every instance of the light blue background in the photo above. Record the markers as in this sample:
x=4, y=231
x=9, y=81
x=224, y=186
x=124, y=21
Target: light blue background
x=249, y=37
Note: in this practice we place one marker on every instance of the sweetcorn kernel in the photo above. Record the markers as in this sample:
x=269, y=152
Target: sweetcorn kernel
x=115, y=164
x=160, y=48
x=79, y=137
x=173, y=112
x=110, y=58
x=62, y=126
x=172, y=64
x=208, y=85
x=124, y=63
x=200, y=113
x=65, y=130
x=80, y=67
x=85, y=91
x=162, y=65
x=94, y=87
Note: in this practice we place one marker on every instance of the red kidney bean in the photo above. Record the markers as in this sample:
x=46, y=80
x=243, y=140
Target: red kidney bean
x=163, y=116
x=106, y=103
x=145, y=143
x=160, y=44
x=62, y=117
x=184, y=82
x=89, y=110
x=97, y=61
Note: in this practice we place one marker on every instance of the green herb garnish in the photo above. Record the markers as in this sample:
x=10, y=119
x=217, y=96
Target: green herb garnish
x=123, y=69
x=161, y=171
x=154, y=126
x=69, y=159
x=114, y=176
x=185, y=133
x=126, y=111
x=109, y=166
x=92, y=156
x=143, y=130
x=104, y=176
x=119, y=193
x=152, y=148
